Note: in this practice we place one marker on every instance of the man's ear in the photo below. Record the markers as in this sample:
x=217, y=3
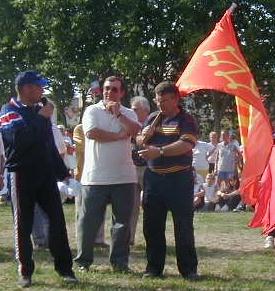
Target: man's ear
x=122, y=93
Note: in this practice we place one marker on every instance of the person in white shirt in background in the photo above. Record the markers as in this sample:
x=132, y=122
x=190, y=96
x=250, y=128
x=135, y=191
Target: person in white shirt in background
x=228, y=158
x=59, y=140
x=210, y=193
x=69, y=156
x=198, y=191
x=200, y=156
x=212, y=154
x=233, y=138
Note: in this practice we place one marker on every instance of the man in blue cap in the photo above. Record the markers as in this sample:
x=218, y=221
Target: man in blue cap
x=34, y=165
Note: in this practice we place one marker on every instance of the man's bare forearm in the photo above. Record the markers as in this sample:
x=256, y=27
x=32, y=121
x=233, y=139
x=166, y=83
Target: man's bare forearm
x=177, y=148
x=131, y=126
x=105, y=136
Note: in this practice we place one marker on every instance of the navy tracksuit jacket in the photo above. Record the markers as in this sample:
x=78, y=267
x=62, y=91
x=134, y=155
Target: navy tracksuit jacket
x=34, y=164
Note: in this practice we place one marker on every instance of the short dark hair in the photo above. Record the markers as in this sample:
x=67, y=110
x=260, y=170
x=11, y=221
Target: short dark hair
x=225, y=131
x=167, y=87
x=115, y=78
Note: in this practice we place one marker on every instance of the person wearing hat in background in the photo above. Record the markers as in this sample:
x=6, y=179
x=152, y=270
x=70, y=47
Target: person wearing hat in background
x=34, y=165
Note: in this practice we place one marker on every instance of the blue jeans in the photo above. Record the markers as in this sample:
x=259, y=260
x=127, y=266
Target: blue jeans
x=225, y=176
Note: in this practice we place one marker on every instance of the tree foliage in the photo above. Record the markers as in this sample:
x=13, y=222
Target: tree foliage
x=145, y=41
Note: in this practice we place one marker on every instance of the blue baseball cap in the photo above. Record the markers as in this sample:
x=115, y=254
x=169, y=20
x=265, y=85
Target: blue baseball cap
x=30, y=77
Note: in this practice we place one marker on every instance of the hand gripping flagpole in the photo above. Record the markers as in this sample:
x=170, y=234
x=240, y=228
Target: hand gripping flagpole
x=155, y=122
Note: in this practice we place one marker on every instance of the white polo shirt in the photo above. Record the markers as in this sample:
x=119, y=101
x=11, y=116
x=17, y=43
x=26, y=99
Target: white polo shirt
x=200, y=151
x=107, y=163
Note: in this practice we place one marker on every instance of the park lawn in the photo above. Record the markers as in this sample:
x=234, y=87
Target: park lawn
x=231, y=257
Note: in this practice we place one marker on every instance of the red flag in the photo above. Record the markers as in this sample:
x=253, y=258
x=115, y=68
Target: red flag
x=265, y=206
x=218, y=64
x=244, y=113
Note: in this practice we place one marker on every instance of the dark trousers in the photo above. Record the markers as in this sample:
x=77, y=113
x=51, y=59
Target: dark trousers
x=162, y=193
x=91, y=214
x=26, y=190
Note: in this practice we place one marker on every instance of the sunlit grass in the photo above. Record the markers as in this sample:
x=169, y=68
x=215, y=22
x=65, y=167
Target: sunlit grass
x=231, y=257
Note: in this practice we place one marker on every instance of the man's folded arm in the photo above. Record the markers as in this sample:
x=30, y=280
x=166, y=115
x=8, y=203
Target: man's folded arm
x=101, y=135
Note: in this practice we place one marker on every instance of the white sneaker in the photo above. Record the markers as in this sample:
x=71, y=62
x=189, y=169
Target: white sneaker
x=225, y=208
x=269, y=242
x=217, y=208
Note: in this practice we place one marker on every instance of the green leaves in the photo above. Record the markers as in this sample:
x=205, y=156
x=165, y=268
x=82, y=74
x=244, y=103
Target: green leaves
x=72, y=41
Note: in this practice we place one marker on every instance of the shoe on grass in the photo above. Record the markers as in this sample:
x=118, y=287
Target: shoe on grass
x=240, y=208
x=269, y=242
x=122, y=269
x=225, y=208
x=151, y=275
x=192, y=277
x=24, y=281
x=83, y=269
x=69, y=278
x=217, y=208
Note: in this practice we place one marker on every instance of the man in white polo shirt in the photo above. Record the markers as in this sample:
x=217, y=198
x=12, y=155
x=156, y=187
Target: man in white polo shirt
x=109, y=175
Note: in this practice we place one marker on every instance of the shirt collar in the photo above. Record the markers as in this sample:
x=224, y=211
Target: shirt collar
x=16, y=103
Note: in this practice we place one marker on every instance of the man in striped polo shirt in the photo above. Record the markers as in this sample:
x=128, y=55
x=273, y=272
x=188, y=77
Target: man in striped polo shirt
x=168, y=138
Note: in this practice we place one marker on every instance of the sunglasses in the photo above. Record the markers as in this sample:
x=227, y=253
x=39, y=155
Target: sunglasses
x=159, y=102
x=111, y=89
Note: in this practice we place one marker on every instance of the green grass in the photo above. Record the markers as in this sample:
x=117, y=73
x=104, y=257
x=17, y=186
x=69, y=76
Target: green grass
x=231, y=257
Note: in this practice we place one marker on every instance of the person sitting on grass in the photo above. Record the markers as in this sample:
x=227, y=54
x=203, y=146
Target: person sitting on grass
x=210, y=193
x=229, y=195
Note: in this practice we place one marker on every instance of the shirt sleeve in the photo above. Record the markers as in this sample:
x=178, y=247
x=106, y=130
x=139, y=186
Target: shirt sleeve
x=132, y=115
x=189, y=129
x=79, y=138
x=90, y=120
